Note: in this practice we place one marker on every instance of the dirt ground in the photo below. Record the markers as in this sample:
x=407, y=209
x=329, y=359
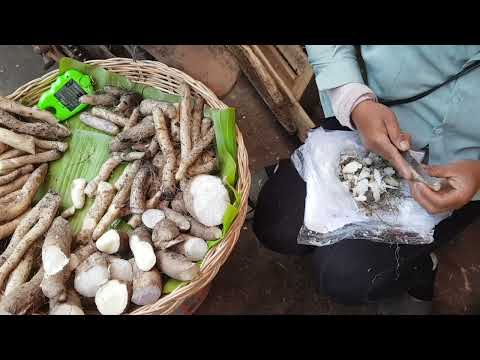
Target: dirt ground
x=255, y=280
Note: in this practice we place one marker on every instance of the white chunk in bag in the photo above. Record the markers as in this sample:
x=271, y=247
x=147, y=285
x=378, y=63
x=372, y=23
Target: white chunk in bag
x=331, y=213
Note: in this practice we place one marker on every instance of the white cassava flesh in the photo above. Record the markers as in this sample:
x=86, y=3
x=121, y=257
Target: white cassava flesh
x=112, y=242
x=71, y=306
x=78, y=193
x=29, y=296
x=120, y=269
x=56, y=247
x=206, y=199
x=151, y=217
x=351, y=167
x=142, y=249
x=146, y=286
x=193, y=248
x=91, y=274
x=176, y=266
x=112, y=298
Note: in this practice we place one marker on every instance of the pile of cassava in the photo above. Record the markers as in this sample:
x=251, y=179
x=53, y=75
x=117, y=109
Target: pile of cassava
x=166, y=201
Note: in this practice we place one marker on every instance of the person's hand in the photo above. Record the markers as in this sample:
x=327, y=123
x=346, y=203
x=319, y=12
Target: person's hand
x=462, y=180
x=380, y=133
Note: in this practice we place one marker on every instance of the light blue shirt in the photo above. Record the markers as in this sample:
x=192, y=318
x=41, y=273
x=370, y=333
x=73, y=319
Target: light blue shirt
x=447, y=121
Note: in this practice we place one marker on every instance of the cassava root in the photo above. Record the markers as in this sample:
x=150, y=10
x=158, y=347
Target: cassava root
x=56, y=258
x=47, y=208
x=109, y=115
x=43, y=157
x=142, y=249
x=105, y=195
x=18, y=141
x=99, y=123
x=146, y=286
x=163, y=138
x=103, y=175
x=26, y=169
x=118, y=202
x=28, y=112
x=41, y=130
x=99, y=99
x=25, y=198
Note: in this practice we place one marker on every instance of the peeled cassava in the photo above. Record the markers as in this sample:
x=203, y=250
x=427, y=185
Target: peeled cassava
x=206, y=199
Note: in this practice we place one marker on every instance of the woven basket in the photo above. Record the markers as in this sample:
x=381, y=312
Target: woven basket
x=166, y=79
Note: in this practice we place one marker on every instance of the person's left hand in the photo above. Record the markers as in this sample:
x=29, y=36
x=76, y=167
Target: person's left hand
x=462, y=181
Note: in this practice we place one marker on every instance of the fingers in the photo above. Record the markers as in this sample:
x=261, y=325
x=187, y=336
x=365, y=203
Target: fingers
x=435, y=202
x=421, y=198
x=443, y=171
x=392, y=154
x=400, y=140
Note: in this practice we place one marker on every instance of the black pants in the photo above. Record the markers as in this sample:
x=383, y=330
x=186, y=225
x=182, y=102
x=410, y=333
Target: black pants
x=351, y=271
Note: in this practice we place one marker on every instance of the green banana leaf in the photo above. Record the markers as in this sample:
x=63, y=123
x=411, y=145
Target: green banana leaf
x=88, y=150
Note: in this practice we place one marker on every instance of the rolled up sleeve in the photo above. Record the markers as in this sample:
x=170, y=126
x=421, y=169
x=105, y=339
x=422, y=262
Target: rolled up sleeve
x=334, y=65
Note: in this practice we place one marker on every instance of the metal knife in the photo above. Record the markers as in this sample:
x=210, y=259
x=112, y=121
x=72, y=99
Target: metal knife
x=419, y=173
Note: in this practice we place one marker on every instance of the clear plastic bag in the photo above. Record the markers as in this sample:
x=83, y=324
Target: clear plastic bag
x=331, y=213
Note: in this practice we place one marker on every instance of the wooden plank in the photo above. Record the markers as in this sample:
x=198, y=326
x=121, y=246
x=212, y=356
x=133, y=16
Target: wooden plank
x=299, y=116
x=269, y=54
x=295, y=56
x=302, y=82
x=265, y=84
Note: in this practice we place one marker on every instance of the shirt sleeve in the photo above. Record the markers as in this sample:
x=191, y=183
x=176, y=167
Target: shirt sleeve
x=334, y=65
x=344, y=99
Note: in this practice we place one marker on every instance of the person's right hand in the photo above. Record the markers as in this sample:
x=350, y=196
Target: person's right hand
x=380, y=133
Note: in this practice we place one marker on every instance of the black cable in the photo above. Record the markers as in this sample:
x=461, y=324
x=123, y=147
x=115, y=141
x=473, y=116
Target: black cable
x=392, y=102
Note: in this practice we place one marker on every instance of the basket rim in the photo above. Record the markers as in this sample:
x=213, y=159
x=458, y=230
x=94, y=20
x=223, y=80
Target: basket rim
x=216, y=256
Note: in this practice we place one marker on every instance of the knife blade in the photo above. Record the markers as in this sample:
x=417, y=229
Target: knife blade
x=419, y=173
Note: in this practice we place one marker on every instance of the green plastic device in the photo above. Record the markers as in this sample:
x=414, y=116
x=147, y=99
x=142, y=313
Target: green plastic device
x=63, y=96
